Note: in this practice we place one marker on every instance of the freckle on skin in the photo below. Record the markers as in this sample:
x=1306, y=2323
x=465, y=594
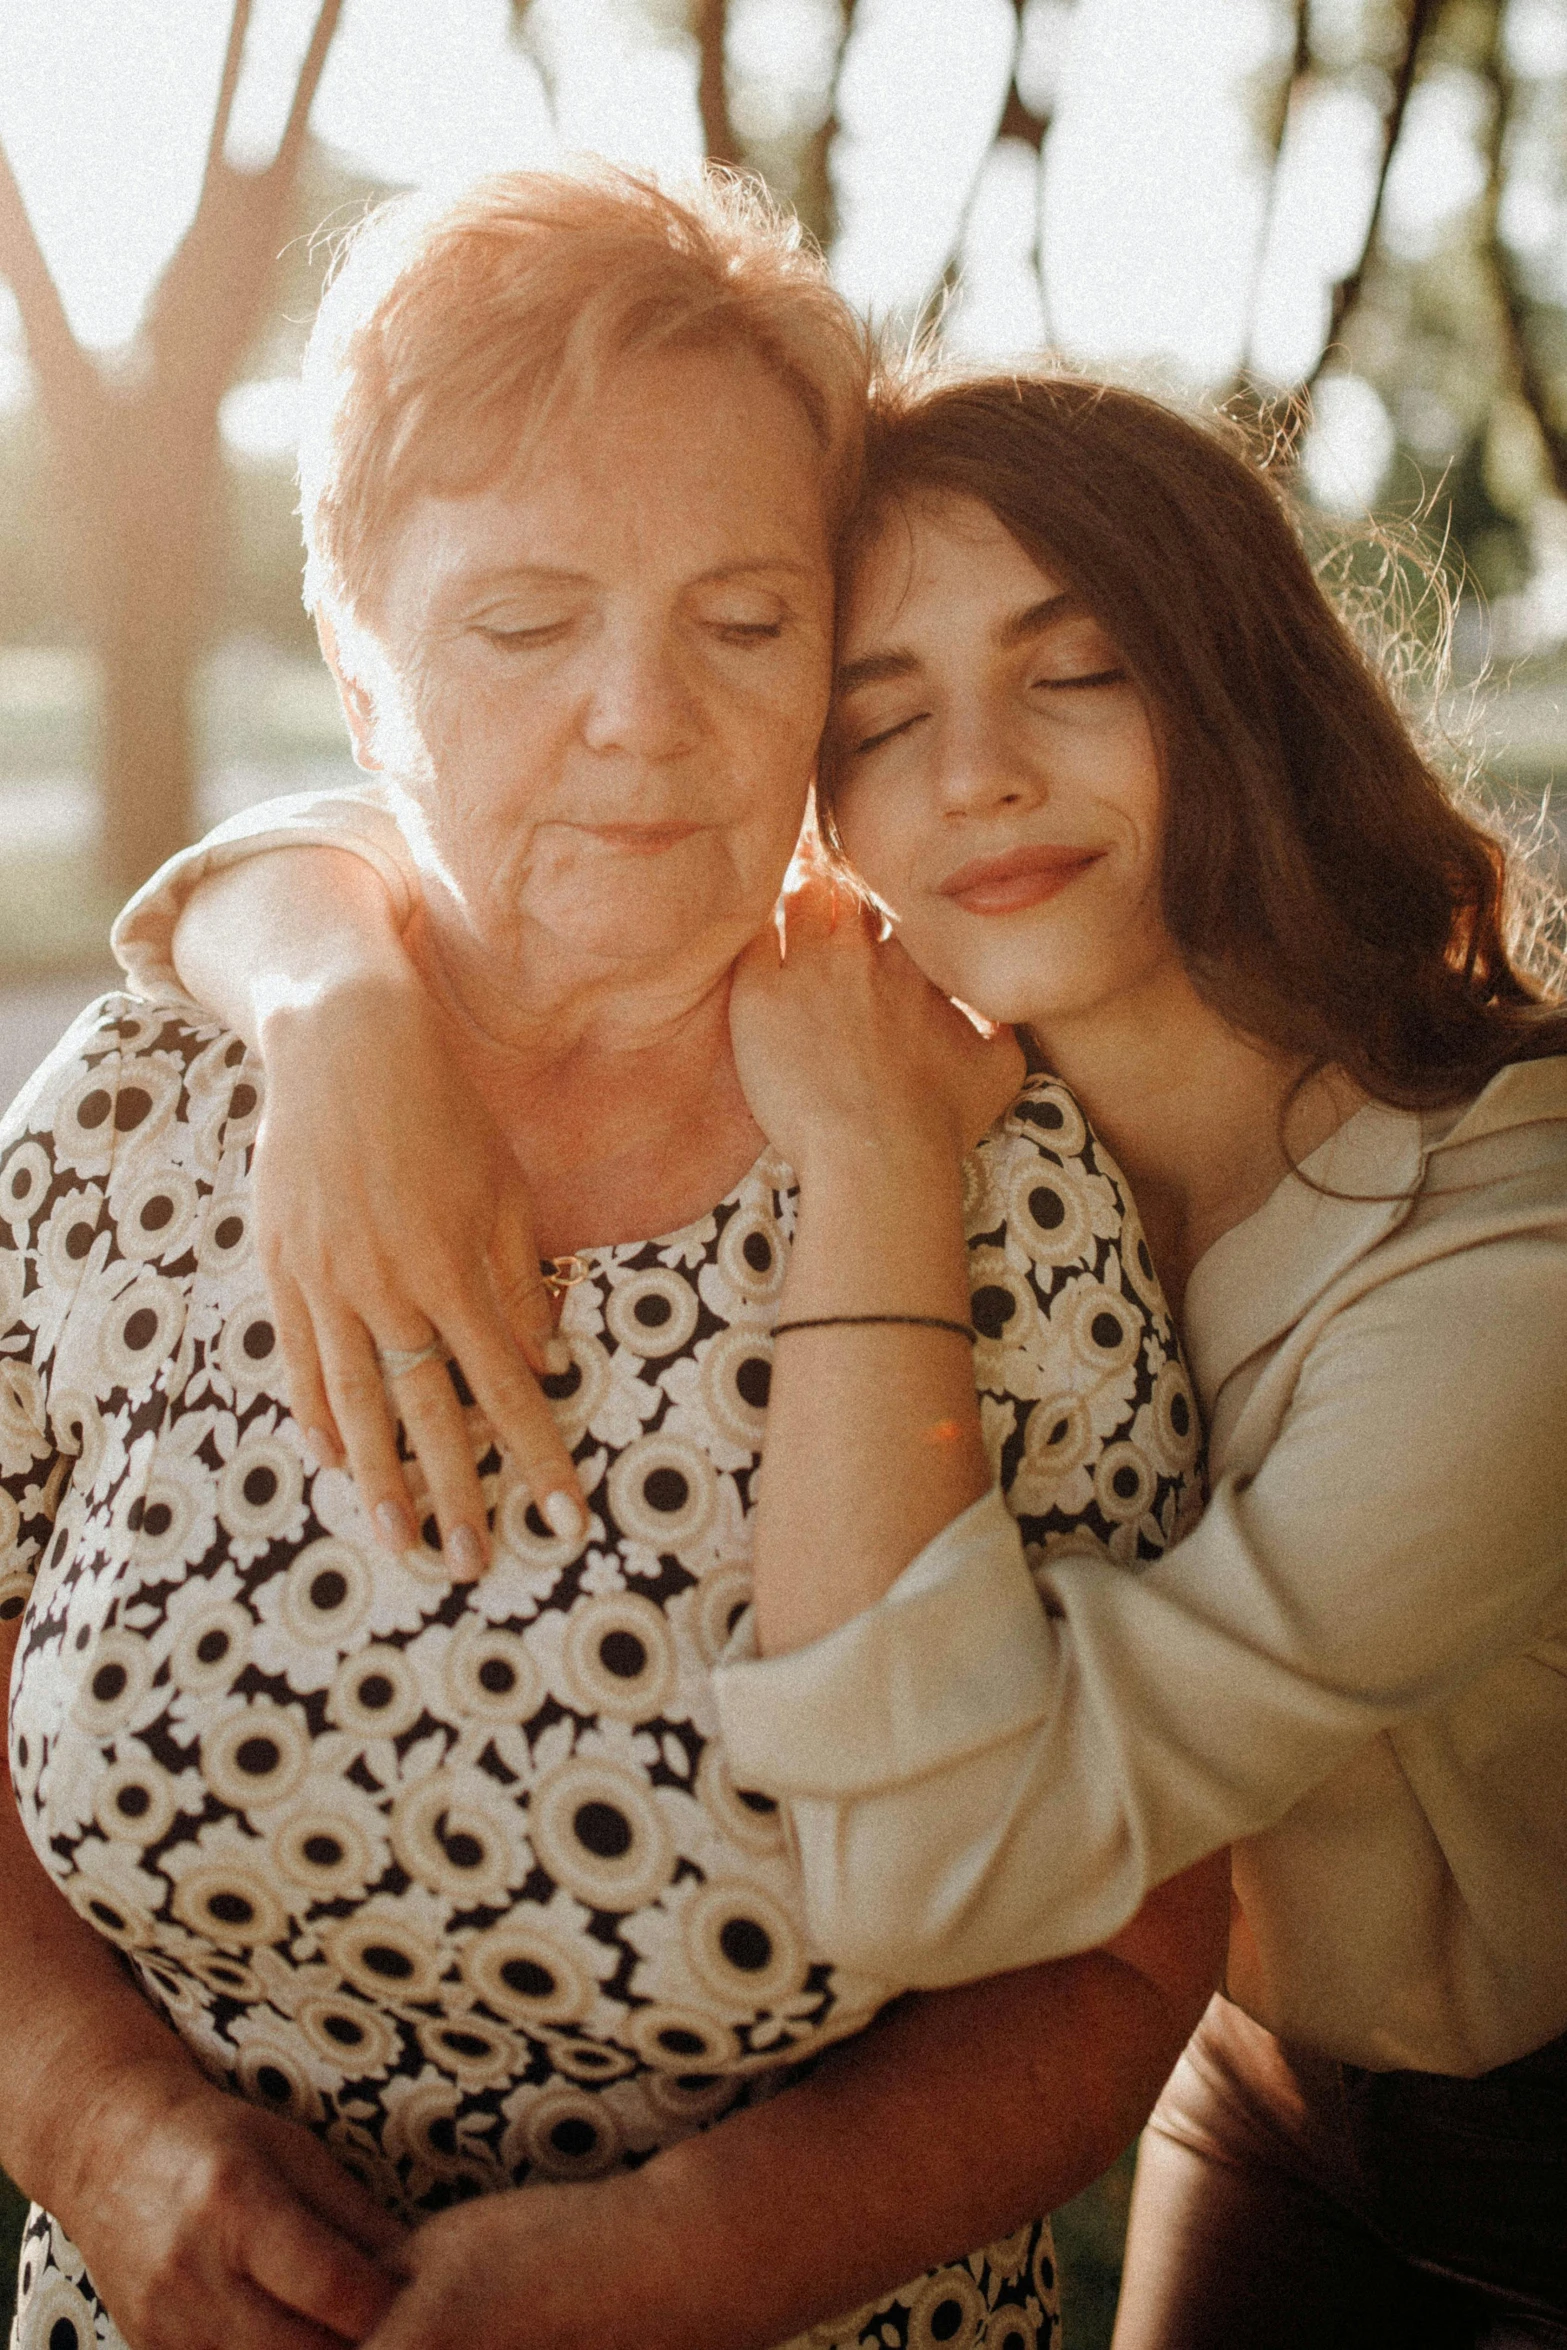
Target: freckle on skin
x=942, y=1432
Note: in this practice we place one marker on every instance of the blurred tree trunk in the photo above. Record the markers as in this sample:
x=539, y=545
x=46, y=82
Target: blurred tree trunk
x=814, y=200
x=134, y=449
x=711, y=26
x=1530, y=378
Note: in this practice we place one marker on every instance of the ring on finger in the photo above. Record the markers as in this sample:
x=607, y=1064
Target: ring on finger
x=397, y=1361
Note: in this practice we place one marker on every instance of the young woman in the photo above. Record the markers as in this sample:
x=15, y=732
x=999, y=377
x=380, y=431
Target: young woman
x=1121, y=777
x=1117, y=772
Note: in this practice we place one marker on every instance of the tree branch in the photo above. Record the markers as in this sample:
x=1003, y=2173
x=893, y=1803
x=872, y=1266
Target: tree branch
x=711, y=27
x=203, y=312
x=1419, y=17
x=1015, y=121
x=223, y=112
x=1019, y=121
x=286, y=159
x=67, y=378
x=1299, y=73
x=816, y=204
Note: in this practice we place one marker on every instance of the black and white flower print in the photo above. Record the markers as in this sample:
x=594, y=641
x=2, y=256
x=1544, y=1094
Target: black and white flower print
x=457, y=1875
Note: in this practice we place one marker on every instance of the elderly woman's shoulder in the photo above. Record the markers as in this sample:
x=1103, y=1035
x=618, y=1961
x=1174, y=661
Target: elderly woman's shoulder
x=1046, y=1132
x=129, y=1070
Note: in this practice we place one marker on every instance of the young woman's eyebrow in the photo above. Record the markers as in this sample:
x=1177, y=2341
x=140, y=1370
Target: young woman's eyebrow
x=1032, y=621
x=1065, y=604
x=874, y=669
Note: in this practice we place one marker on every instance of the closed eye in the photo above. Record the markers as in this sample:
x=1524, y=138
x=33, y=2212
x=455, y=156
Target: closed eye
x=510, y=640
x=873, y=742
x=1069, y=685
x=749, y=632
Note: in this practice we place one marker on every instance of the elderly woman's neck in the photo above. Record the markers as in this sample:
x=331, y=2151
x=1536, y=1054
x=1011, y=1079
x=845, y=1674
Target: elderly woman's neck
x=538, y=1005
x=615, y=1086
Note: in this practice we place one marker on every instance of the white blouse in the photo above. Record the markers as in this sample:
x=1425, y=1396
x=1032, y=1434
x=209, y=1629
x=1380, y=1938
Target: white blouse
x=1354, y=1669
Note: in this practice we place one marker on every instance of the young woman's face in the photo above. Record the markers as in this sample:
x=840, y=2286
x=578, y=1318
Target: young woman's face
x=998, y=784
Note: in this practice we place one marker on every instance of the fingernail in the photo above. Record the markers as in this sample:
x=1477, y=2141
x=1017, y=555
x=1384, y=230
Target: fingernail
x=464, y=1554
x=322, y=1450
x=392, y=1526
x=563, y=1514
x=558, y=1357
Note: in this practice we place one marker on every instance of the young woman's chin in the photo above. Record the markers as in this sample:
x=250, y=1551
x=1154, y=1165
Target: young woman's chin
x=1021, y=971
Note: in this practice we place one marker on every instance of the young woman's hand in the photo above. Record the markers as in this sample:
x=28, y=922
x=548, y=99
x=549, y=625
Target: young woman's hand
x=843, y=1045
x=390, y=1213
x=207, y=2224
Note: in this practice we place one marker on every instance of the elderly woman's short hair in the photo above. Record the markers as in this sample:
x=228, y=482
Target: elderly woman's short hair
x=448, y=336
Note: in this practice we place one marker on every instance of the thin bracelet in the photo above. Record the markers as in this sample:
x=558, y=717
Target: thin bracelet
x=868, y=1321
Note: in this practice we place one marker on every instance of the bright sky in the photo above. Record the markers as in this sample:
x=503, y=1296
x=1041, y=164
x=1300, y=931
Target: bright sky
x=1153, y=195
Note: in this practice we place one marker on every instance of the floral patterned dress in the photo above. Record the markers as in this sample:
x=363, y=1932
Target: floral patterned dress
x=457, y=1876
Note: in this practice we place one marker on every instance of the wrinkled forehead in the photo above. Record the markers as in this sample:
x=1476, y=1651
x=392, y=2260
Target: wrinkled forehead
x=685, y=461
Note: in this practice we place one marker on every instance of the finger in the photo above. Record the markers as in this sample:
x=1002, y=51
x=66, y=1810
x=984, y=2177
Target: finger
x=431, y=1415
x=517, y=1277
x=247, y=2318
x=306, y=1388
x=417, y=2320
x=309, y=2267
x=434, y=2310
x=364, y=1417
x=334, y=2193
x=526, y=1428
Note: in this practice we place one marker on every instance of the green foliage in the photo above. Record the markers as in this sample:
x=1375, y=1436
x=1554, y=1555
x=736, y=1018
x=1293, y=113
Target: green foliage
x=1090, y=2232
x=13, y=2218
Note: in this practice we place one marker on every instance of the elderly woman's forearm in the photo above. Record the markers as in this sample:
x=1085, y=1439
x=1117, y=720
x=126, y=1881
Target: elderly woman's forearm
x=277, y=933
x=76, y=2022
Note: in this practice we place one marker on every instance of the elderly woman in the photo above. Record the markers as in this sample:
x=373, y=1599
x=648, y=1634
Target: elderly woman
x=445, y=1874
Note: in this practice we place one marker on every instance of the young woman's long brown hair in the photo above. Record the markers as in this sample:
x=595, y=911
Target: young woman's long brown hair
x=1327, y=895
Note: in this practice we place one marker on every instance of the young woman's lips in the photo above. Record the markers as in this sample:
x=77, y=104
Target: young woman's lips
x=1027, y=877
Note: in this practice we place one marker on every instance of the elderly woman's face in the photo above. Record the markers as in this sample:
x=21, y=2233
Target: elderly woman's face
x=613, y=666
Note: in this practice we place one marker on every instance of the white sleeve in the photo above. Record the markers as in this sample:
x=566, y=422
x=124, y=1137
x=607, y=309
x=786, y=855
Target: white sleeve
x=978, y=1781
x=143, y=933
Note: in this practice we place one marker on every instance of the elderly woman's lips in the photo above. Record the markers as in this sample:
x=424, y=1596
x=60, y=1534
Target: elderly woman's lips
x=640, y=840
x=1005, y=885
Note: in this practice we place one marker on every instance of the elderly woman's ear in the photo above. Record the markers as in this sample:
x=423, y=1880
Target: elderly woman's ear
x=353, y=693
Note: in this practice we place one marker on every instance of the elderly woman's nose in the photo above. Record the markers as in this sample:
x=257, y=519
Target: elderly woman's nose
x=641, y=699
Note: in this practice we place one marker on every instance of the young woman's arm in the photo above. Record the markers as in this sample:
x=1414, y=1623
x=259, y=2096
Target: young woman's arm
x=955, y=2119
x=873, y=1087
x=975, y=1780
x=387, y=1204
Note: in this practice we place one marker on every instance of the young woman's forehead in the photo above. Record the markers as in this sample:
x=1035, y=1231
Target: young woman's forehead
x=929, y=553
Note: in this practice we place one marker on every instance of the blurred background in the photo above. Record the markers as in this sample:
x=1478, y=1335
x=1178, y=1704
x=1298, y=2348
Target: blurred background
x=1345, y=219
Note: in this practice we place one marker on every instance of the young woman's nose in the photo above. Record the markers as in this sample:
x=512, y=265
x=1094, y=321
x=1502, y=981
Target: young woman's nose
x=640, y=701
x=981, y=766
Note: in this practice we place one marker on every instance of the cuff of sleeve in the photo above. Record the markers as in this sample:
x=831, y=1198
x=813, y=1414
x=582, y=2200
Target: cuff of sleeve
x=143, y=932
x=955, y=1658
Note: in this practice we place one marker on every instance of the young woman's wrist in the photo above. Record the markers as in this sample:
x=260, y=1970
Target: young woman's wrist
x=917, y=1149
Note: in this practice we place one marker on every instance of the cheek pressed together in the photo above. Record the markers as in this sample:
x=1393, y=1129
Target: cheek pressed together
x=996, y=779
